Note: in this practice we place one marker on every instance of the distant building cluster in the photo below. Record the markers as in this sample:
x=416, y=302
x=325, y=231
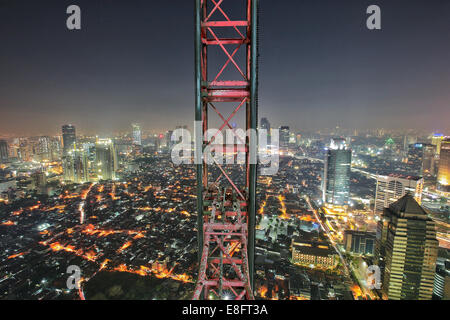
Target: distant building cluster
x=341, y=203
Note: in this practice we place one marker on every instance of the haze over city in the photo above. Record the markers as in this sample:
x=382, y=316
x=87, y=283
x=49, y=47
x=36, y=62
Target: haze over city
x=320, y=67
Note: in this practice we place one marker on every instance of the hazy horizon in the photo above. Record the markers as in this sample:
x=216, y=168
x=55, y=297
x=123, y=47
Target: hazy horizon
x=320, y=67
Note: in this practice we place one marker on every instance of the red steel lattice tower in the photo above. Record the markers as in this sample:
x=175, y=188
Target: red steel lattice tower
x=226, y=208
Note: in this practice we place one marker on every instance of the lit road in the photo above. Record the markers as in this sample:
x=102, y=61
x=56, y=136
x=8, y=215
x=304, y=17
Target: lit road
x=344, y=262
x=83, y=202
x=327, y=232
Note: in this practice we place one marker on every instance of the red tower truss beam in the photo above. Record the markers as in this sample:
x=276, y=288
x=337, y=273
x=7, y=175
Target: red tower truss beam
x=226, y=209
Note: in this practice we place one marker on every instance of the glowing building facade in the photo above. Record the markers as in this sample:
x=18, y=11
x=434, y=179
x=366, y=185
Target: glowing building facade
x=69, y=137
x=137, y=135
x=443, y=178
x=75, y=166
x=436, y=140
x=407, y=251
x=336, y=182
x=309, y=253
x=106, y=159
x=392, y=187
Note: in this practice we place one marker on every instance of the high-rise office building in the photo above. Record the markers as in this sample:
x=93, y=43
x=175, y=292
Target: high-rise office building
x=284, y=138
x=69, y=137
x=55, y=148
x=336, y=180
x=392, y=187
x=45, y=148
x=44, y=144
x=75, y=166
x=436, y=140
x=137, y=135
x=407, y=251
x=81, y=166
x=3, y=151
x=106, y=158
x=443, y=178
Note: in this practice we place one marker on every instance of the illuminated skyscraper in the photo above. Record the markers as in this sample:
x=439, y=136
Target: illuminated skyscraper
x=437, y=140
x=55, y=148
x=44, y=148
x=3, y=151
x=407, y=251
x=284, y=138
x=106, y=159
x=69, y=137
x=336, y=180
x=75, y=166
x=137, y=135
x=392, y=187
x=443, y=178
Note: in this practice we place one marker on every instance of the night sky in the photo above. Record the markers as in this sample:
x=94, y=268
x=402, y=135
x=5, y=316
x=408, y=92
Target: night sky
x=133, y=61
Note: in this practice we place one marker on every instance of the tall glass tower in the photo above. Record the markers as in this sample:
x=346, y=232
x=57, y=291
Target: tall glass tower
x=106, y=158
x=137, y=136
x=407, y=251
x=3, y=150
x=336, y=180
x=75, y=165
x=284, y=138
x=69, y=137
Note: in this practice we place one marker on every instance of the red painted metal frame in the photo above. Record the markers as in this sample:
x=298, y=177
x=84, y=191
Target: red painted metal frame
x=224, y=267
x=223, y=270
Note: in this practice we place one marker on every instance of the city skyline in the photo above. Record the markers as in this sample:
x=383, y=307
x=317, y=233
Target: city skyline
x=336, y=73
x=329, y=178
x=147, y=130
